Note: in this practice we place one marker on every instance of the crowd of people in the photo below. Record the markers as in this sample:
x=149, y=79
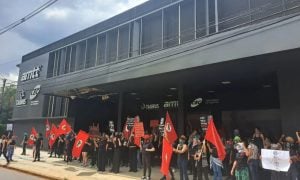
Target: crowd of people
x=192, y=154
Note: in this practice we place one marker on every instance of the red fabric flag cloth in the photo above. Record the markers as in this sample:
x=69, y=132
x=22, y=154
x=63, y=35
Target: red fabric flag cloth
x=169, y=131
x=47, y=128
x=64, y=128
x=139, y=132
x=166, y=156
x=79, y=143
x=32, y=135
x=213, y=137
x=126, y=131
x=52, y=135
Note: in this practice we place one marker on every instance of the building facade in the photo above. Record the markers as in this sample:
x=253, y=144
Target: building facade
x=235, y=59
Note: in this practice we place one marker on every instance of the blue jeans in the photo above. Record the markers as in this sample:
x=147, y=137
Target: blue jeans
x=182, y=165
x=10, y=151
x=253, y=167
x=217, y=171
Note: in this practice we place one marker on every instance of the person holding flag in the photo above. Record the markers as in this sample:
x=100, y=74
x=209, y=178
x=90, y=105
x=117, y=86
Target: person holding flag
x=182, y=158
x=147, y=148
x=216, y=149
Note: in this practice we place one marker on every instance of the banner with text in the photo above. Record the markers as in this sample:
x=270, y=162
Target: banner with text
x=275, y=160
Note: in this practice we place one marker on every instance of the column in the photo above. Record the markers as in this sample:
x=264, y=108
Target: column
x=120, y=110
x=181, y=120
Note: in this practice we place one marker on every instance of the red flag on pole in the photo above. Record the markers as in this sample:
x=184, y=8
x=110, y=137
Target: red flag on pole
x=52, y=135
x=32, y=135
x=169, y=131
x=213, y=137
x=64, y=128
x=47, y=128
x=170, y=137
x=79, y=143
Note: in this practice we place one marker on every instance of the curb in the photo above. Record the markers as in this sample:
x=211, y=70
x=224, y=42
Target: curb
x=30, y=172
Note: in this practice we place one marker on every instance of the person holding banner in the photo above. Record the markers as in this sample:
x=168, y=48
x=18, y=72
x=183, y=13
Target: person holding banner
x=182, y=158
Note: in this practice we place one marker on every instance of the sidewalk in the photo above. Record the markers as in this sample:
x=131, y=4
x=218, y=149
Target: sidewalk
x=55, y=168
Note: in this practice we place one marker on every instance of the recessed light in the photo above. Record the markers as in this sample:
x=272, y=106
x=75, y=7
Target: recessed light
x=137, y=98
x=169, y=95
x=226, y=82
x=267, y=86
x=133, y=93
x=173, y=88
x=211, y=91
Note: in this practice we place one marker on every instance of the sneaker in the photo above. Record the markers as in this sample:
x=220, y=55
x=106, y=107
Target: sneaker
x=143, y=178
x=148, y=178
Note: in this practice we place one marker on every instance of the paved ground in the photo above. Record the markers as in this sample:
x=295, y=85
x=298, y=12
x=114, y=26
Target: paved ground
x=55, y=168
x=7, y=174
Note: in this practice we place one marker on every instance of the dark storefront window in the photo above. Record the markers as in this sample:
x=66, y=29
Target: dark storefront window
x=55, y=106
x=187, y=21
x=135, y=38
x=123, y=49
x=91, y=52
x=101, y=49
x=201, y=28
x=112, y=45
x=171, y=26
x=152, y=32
x=233, y=13
x=80, y=55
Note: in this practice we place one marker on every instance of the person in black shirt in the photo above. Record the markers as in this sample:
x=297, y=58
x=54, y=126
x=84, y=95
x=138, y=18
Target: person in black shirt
x=24, y=143
x=147, y=148
x=182, y=158
x=132, y=155
x=101, y=145
x=38, y=146
x=116, y=155
x=11, y=147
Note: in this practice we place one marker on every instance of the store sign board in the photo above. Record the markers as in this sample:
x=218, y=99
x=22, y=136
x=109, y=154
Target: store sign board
x=165, y=105
x=21, y=100
x=32, y=74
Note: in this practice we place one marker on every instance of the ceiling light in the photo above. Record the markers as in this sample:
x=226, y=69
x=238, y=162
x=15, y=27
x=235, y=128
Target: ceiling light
x=137, y=98
x=133, y=93
x=211, y=91
x=173, y=88
x=169, y=95
x=226, y=82
x=267, y=86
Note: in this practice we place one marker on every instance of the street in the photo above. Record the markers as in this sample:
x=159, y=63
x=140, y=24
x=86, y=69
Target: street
x=7, y=174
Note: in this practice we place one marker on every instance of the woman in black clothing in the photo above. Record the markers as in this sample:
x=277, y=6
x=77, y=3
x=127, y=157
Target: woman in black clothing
x=132, y=155
x=101, y=153
x=24, y=143
x=85, y=151
x=147, y=149
x=109, y=151
x=116, y=156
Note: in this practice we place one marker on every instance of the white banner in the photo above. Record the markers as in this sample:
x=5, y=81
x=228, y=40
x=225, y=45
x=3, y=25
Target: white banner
x=275, y=160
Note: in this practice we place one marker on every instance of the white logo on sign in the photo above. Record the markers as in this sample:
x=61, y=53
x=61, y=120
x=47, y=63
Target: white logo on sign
x=196, y=102
x=35, y=92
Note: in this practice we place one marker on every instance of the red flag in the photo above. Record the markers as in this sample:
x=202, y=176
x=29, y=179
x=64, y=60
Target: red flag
x=126, y=131
x=32, y=135
x=64, y=128
x=47, y=128
x=79, y=143
x=213, y=137
x=52, y=135
x=169, y=131
x=166, y=156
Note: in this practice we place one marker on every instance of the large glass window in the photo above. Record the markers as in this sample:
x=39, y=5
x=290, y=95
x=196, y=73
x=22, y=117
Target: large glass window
x=57, y=63
x=233, y=13
x=152, y=32
x=201, y=18
x=73, y=58
x=135, y=38
x=212, y=16
x=80, y=55
x=62, y=61
x=187, y=21
x=111, y=48
x=68, y=60
x=101, y=49
x=50, y=64
x=91, y=52
x=266, y=9
x=123, y=49
x=171, y=26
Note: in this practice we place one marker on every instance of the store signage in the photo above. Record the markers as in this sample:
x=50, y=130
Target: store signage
x=165, y=105
x=34, y=93
x=212, y=101
x=21, y=100
x=196, y=102
x=32, y=74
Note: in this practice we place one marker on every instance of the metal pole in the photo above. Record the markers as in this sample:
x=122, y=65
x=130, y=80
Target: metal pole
x=2, y=96
x=216, y=16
